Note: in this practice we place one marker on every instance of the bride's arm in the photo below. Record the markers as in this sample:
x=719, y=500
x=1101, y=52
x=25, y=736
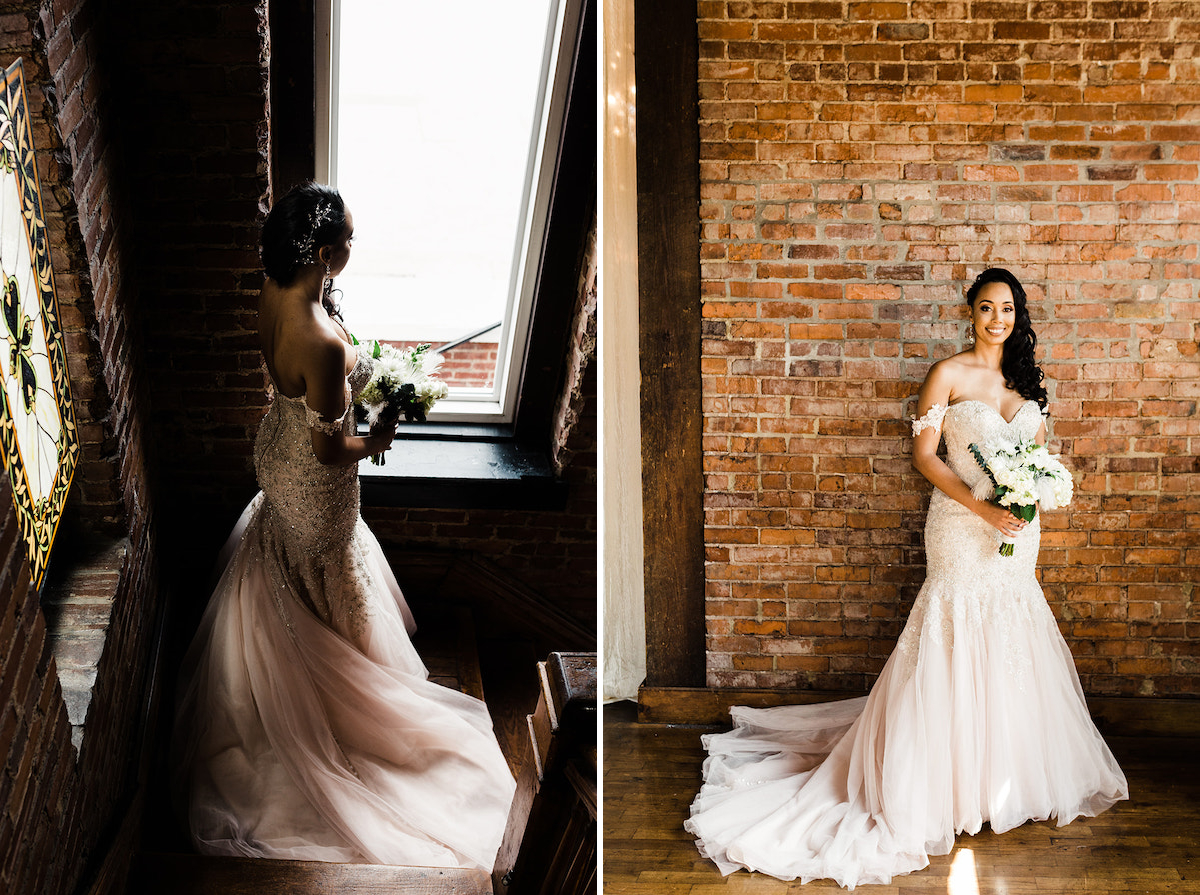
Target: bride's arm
x=325, y=392
x=937, y=390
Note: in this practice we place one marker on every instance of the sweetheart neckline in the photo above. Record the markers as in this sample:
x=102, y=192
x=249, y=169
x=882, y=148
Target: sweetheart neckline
x=1007, y=422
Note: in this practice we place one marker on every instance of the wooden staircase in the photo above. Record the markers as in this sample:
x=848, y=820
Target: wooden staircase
x=550, y=845
x=447, y=642
x=177, y=874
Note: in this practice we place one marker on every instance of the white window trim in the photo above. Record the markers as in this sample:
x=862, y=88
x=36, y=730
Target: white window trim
x=497, y=405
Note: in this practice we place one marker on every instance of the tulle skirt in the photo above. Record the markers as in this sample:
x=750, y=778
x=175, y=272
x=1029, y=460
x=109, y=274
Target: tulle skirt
x=300, y=739
x=977, y=717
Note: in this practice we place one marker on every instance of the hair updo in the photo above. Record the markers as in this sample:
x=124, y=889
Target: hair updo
x=1018, y=362
x=310, y=216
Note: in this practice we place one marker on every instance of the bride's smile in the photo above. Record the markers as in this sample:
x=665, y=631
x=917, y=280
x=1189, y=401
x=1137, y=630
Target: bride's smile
x=994, y=314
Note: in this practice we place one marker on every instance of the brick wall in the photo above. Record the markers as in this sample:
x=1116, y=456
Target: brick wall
x=194, y=81
x=59, y=803
x=470, y=364
x=860, y=162
x=577, y=400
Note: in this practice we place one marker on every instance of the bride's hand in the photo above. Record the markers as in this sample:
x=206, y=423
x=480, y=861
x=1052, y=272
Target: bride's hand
x=1001, y=519
x=383, y=429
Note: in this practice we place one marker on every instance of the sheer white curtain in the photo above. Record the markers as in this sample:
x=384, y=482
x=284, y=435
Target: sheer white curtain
x=624, y=620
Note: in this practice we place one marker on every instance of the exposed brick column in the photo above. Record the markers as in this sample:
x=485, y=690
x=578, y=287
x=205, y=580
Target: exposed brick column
x=60, y=801
x=195, y=81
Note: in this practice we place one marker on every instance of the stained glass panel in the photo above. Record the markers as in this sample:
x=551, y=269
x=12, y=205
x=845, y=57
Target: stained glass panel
x=37, y=428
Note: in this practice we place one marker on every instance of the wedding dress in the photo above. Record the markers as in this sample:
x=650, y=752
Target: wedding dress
x=977, y=717
x=305, y=727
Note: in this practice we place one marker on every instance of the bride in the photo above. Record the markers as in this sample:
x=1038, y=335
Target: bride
x=977, y=717
x=305, y=726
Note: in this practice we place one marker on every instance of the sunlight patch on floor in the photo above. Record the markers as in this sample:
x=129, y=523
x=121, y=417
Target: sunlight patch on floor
x=963, y=880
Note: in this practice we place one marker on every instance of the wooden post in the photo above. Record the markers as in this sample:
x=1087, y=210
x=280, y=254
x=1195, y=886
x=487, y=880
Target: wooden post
x=293, y=97
x=668, y=179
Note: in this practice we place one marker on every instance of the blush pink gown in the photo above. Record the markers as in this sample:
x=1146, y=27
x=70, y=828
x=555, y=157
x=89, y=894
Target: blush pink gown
x=977, y=717
x=306, y=727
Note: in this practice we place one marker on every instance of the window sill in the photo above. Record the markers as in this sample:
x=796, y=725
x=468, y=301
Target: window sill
x=447, y=466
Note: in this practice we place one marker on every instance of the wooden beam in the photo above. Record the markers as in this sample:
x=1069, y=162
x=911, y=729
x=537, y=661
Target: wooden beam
x=702, y=705
x=668, y=185
x=293, y=93
x=1114, y=715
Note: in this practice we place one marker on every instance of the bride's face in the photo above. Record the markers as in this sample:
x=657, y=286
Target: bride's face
x=339, y=252
x=994, y=314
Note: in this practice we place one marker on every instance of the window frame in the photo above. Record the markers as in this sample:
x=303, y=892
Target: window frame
x=510, y=466
x=500, y=405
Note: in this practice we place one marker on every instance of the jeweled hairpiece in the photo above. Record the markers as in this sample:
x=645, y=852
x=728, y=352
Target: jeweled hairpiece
x=321, y=214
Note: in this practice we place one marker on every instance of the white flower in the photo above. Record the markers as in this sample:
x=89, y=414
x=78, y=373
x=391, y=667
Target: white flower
x=1025, y=474
x=1040, y=458
x=983, y=489
x=1046, y=496
x=395, y=368
x=432, y=389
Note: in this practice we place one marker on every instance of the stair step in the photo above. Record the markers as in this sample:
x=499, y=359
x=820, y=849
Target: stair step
x=445, y=640
x=195, y=875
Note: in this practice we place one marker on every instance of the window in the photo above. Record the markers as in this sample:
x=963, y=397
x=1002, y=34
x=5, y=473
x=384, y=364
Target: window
x=441, y=132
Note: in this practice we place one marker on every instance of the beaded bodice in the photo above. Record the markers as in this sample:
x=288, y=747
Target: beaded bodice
x=975, y=422
x=283, y=454
x=964, y=567
x=312, y=507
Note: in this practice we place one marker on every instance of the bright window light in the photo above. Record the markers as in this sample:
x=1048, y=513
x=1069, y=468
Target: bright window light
x=441, y=127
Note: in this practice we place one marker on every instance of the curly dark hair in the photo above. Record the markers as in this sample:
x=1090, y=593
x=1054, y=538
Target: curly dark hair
x=289, y=238
x=1019, y=362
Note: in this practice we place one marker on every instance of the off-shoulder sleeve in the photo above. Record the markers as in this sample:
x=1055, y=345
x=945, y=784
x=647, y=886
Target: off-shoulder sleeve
x=316, y=421
x=931, y=420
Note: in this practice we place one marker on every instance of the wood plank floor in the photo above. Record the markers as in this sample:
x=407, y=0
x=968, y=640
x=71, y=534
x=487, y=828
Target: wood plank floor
x=195, y=875
x=1149, y=844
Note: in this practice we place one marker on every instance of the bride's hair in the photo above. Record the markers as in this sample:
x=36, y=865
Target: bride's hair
x=311, y=215
x=1018, y=363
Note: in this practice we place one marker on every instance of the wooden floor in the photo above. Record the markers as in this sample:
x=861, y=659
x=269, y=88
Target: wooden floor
x=1149, y=844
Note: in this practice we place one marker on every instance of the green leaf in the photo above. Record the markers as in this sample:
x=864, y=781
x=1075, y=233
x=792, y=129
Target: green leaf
x=975, y=452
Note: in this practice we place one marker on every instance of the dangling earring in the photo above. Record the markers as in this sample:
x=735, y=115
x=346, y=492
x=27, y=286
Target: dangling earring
x=971, y=334
x=327, y=284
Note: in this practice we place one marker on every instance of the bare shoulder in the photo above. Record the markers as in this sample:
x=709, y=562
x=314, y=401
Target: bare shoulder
x=943, y=374
x=300, y=350
x=320, y=351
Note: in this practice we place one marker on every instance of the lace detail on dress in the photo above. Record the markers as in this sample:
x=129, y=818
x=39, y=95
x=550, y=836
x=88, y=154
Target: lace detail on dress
x=312, y=509
x=315, y=421
x=931, y=420
x=968, y=586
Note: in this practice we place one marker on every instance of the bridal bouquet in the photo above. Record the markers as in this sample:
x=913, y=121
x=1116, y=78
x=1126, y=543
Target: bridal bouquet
x=404, y=382
x=1020, y=477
